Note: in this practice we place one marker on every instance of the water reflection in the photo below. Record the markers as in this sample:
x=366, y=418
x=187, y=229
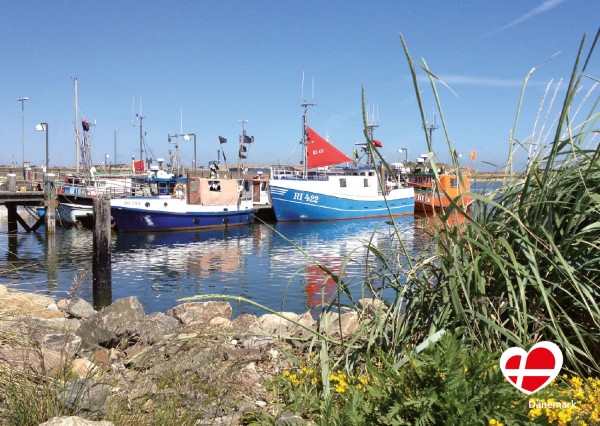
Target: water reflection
x=273, y=265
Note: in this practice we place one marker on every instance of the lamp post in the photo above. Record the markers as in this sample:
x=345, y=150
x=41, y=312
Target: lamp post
x=405, y=154
x=105, y=160
x=22, y=100
x=43, y=127
x=187, y=138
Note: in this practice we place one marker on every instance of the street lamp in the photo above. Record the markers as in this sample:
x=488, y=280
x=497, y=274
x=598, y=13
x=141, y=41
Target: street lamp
x=22, y=100
x=405, y=154
x=105, y=160
x=43, y=127
x=187, y=138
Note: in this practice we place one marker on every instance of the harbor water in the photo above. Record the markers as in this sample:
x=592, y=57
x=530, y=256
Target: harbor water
x=275, y=265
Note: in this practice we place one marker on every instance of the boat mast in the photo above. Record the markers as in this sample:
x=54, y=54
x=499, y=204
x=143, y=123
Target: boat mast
x=305, y=105
x=140, y=118
x=374, y=123
x=76, y=127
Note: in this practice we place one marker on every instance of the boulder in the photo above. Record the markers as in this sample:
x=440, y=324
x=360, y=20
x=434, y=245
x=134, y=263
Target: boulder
x=200, y=313
x=112, y=324
x=79, y=308
x=156, y=327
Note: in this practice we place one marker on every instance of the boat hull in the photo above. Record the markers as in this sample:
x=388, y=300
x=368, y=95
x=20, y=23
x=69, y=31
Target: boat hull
x=426, y=202
x=143, y=214
x=294, y=200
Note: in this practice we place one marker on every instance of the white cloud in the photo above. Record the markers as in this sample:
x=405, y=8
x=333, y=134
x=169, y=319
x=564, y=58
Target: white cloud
x=546, y=6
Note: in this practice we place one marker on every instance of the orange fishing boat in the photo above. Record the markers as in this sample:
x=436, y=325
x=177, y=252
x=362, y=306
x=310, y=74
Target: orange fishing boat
x=434, y=193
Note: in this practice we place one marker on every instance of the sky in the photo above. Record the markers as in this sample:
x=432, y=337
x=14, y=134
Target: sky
x=213, y=67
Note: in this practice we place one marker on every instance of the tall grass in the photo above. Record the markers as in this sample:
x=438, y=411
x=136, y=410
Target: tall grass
x=526, y=265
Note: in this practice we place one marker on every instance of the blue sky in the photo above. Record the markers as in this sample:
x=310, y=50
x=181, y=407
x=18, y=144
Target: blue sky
x=202, y=66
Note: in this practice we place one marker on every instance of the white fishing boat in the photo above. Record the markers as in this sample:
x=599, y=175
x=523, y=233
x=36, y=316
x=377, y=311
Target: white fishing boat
x=324, y=192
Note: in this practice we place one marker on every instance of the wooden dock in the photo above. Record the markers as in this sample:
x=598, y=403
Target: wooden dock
x=45, y=197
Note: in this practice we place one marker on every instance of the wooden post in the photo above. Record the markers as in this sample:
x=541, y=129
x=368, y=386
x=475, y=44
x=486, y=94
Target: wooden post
x=13, y=226
x=101, y=265
x=50, y=203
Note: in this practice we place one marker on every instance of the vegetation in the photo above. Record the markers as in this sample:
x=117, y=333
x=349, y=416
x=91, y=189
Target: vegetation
x=524, y=267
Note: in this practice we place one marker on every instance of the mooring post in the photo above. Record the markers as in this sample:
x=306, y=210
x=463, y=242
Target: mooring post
x=101, y=267
x=13, y=226
x=50, y=203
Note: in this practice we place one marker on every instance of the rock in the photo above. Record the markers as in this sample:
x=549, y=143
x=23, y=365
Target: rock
x=39, y=361
x=242, y=323
x=200, y=313
x=113, y=323
x=19, y=304
x=372, y=306
x=274, y=325
x=289, y=418
x=59, y=325
x=74, y=421
x=69, y=343
x=85, y=395
x=79, y=308
x=84, y=368
x=334, y=324
x=156, y=327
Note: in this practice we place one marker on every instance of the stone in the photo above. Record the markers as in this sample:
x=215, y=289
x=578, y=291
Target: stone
x=200, y=313
x=85, y=395
x=69, y=343
x=276, y=325
x=83, y=368
x=79, y=308
x=288, y=418
x=372, y=306
x=112, y=324
x=346, y=324
x=75, y=421
x=156, y=327
x=39, y=361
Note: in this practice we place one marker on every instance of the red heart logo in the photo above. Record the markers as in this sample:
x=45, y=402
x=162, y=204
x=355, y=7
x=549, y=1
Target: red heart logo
x=531, y=371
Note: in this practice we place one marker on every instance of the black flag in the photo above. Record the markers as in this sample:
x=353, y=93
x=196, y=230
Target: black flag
x=222, y=140
x=248, y=139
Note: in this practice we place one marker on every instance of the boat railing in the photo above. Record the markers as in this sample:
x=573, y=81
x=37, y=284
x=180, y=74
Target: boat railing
x=112, y=188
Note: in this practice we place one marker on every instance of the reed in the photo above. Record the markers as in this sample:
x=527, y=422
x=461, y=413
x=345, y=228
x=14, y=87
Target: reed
x=526, y=265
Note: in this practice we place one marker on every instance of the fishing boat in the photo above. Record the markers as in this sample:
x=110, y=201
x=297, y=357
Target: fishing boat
x=200, y=203
x=435, y=192
x=324, y=192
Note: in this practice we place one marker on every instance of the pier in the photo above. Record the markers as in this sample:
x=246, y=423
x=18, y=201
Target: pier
x=44, y=196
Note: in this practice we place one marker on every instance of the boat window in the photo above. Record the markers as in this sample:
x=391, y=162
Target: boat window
x=342, y=183
x=454, y=183
x=366, y=183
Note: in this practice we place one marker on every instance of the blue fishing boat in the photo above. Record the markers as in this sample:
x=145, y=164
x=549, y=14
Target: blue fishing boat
x=197, y=204
x=323, y=192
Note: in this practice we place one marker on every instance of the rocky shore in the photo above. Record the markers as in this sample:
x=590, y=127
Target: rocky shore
x=193, y=362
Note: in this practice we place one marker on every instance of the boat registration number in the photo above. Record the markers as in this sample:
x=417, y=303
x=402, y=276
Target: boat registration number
x=299, y=196
x=424, y=198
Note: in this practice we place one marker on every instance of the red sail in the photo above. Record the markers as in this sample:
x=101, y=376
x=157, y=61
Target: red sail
x=321, y=153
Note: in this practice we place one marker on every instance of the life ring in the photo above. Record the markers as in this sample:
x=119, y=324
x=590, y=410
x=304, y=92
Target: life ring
x=179, y=188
